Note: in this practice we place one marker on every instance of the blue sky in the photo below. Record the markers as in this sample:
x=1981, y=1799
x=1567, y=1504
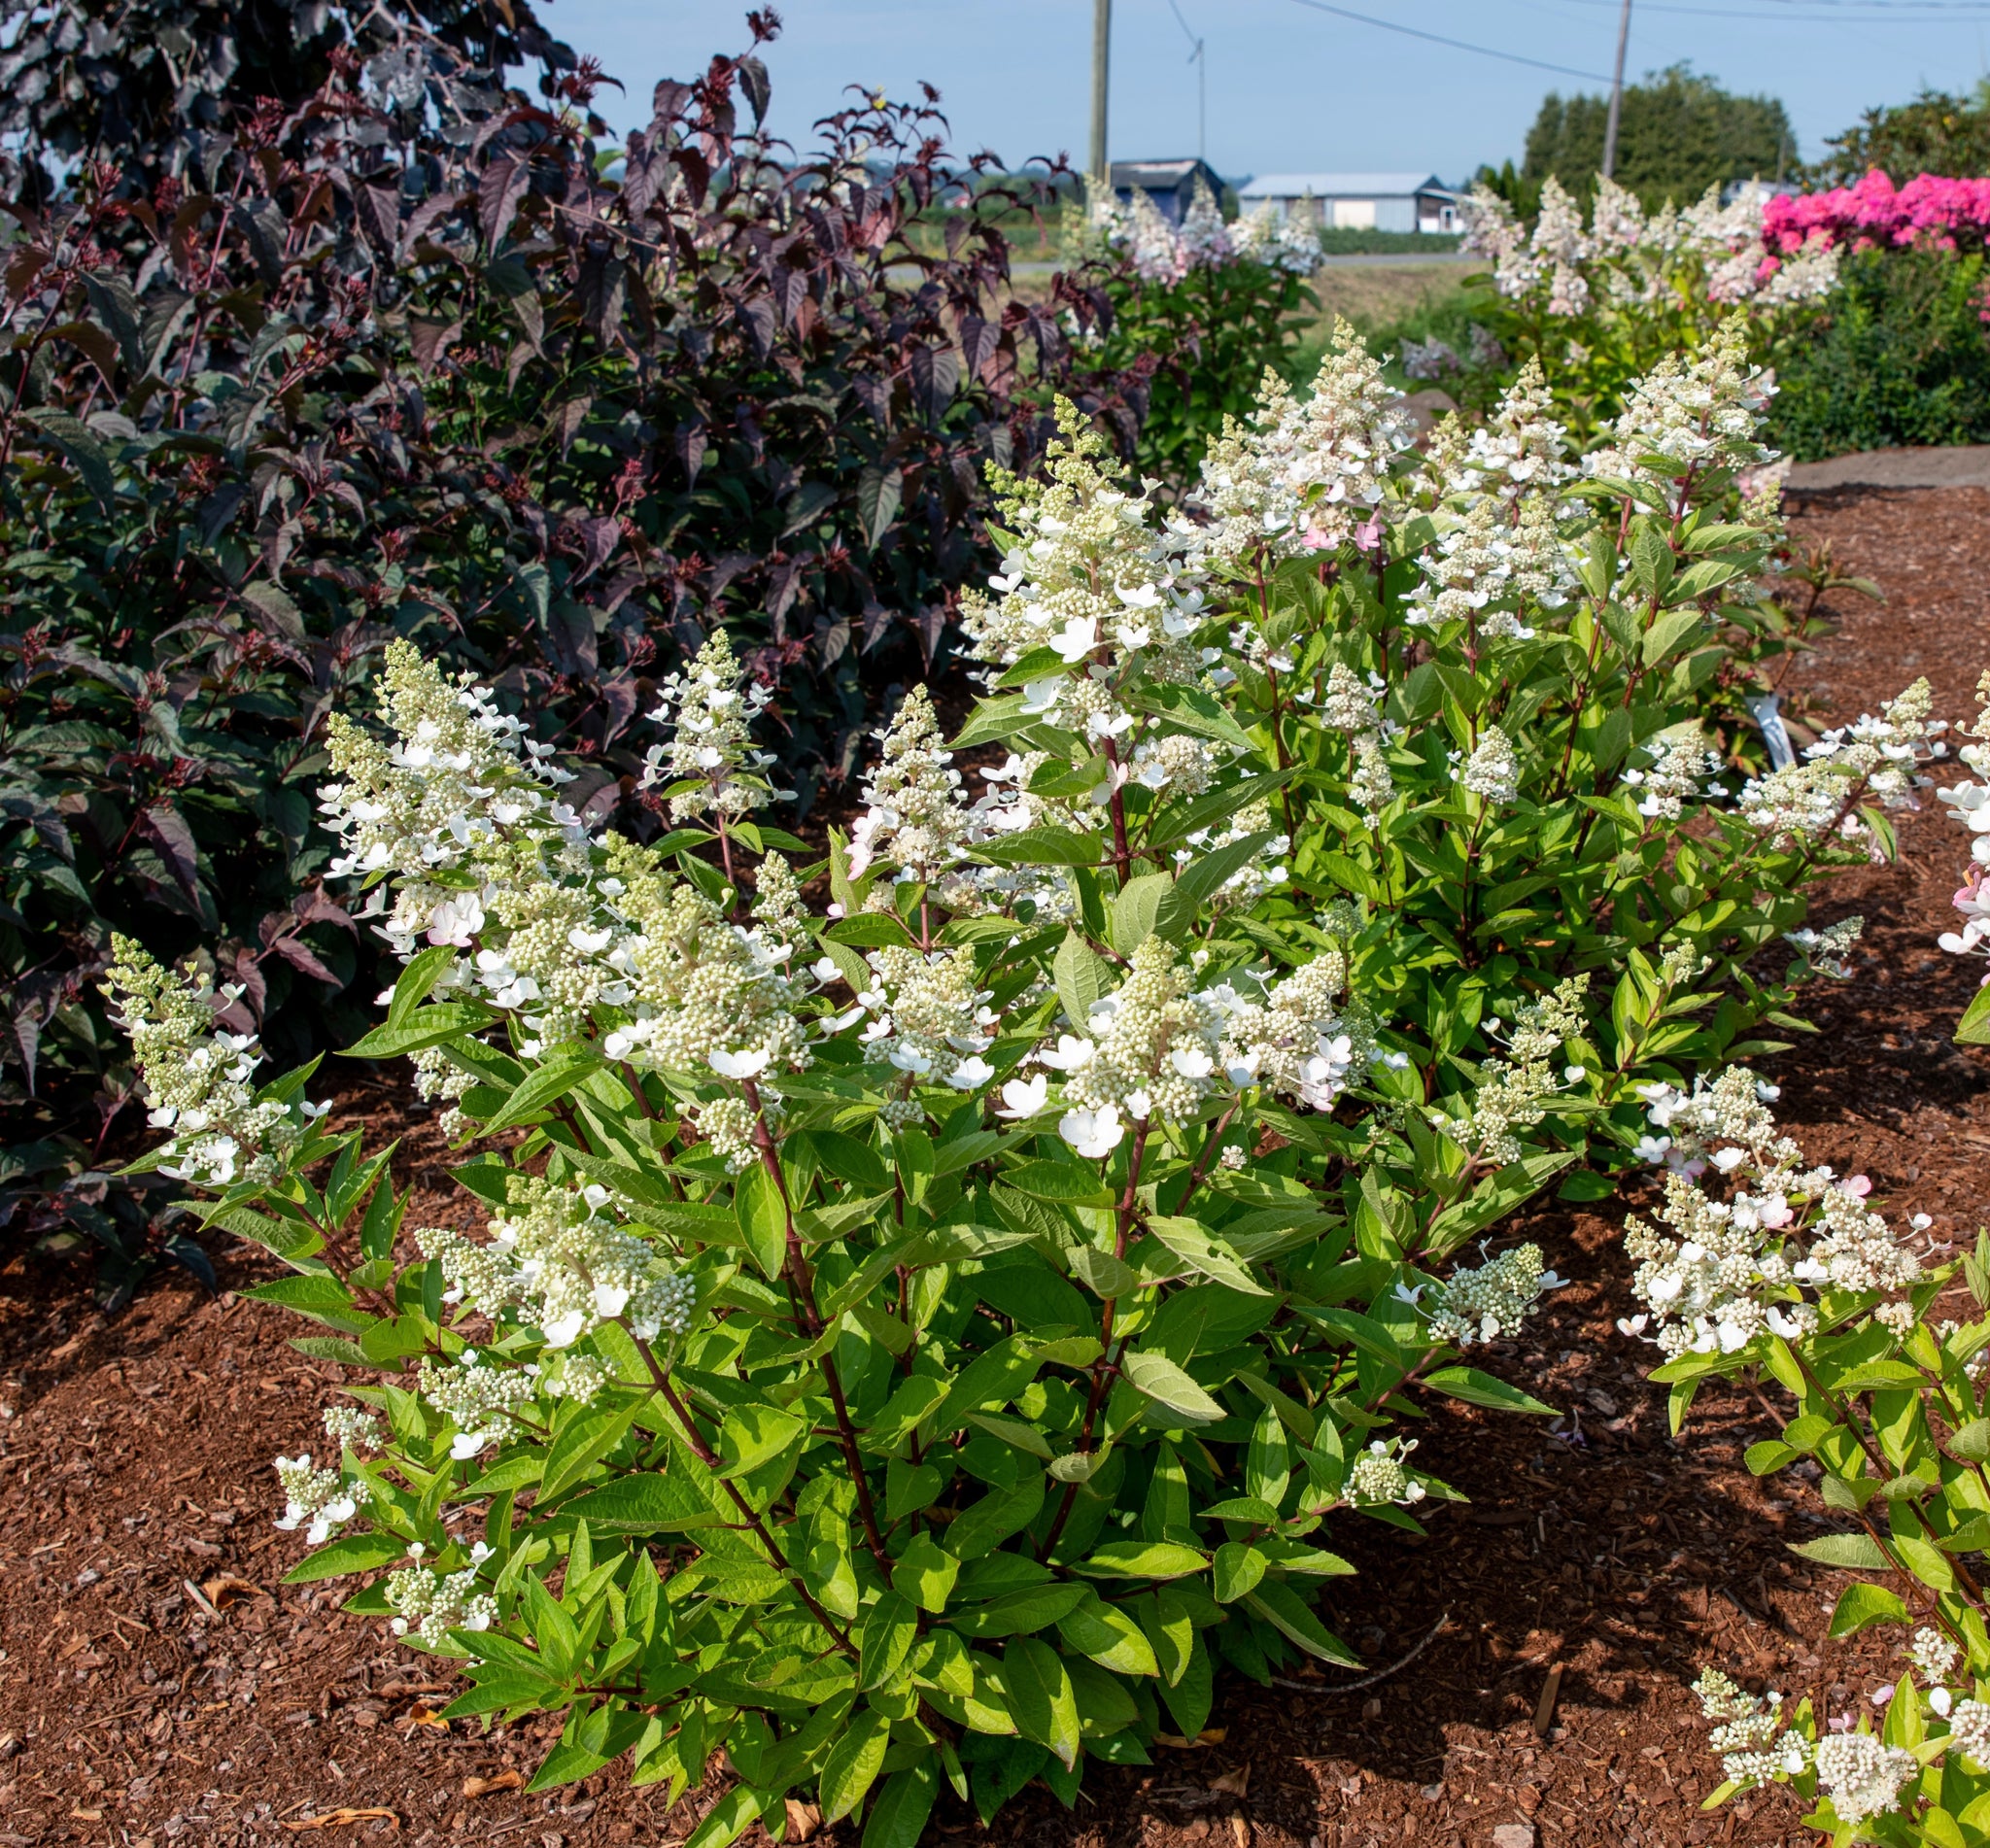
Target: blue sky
x=1289, y=87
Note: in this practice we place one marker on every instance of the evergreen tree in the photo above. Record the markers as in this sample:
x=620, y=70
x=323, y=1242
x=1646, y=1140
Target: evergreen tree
x=1678, y=134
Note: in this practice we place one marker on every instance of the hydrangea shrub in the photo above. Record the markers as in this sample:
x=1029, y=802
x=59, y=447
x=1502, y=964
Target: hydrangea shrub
x=917, y=1333
x=1765, y=1267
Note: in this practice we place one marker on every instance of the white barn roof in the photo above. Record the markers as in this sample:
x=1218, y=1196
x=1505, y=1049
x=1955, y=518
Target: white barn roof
x=1341, y=185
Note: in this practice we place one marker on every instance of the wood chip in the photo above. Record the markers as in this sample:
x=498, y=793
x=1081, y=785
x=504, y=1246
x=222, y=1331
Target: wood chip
x=485, y=1786
x=343, y=1819
x=225, y=1589
x=1544, y=1708
x=199, y=1597
x=1240, y=1832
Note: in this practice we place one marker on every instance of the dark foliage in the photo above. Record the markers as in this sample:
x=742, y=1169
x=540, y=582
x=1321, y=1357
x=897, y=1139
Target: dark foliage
x=1934, y=133
x=1678, y=134
x=136, y=84
x=404, y=360
x=1896, y=355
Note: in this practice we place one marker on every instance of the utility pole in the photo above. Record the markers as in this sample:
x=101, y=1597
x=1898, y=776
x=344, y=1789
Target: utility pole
x=1616, y=94
x=1101, y=59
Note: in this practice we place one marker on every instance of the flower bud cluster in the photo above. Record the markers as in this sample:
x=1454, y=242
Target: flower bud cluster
x=1749, y=1735
x=1514, y=1091
x=479, y=1399
x=1489, y=1301
x=1378, y=1477
x=710, y=765
x=433, y=1603
x=1863, y=1777
x=558, y=1261
x=197, y=1076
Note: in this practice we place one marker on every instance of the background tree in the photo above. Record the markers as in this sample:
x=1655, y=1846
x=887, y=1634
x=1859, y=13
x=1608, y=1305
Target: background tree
x=1934, y=133
x=1680, y=133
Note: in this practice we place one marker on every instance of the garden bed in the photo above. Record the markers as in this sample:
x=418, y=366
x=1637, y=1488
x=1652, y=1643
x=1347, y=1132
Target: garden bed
x=157, y=1683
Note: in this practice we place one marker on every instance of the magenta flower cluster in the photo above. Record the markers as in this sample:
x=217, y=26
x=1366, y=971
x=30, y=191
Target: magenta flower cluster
x=1947, y=213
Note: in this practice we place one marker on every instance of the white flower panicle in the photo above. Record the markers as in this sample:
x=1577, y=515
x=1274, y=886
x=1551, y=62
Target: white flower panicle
x=1091, y=577
x=710, y=766
x=1304, y=474
x=433, y=1603
x=320, y=1501
x=1515, y=1090
x=1149, y=1049
x=1872, y=759
x=927, y=1018
x=1492, y=770
x=1677, y=773
x=1379, y=1476
x=198, y=1075
x=918, y=823
x=1969, y=1730
x=1749, y=1734
x=352, y=1427
x=1933, y=1655
x=1301, y=1042
x=1686, y=418
x=1826, y=952
x=558, y=1261
x=1490, y=1301
x=480, y=1400
x=1863, y=1777
x=1969, y=804
x=1630, y=259
x=1163, y=253
x=1714, y=1274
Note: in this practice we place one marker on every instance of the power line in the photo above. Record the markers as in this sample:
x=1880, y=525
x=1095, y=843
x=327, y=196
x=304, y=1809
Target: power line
x=1457, y=44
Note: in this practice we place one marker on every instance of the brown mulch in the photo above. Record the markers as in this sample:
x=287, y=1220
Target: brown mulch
x=159, y=1683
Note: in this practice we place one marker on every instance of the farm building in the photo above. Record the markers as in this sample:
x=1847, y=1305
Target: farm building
x=1360, y=201
x=1169, y=184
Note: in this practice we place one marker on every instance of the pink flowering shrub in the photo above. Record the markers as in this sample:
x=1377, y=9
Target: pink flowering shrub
x=1951, y=214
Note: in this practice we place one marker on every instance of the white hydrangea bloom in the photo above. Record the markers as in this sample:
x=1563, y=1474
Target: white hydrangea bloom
x=433, y=1604
x=325, y=1498
x=1723, y=1271
x=556, y=1260
x=1863, y=1777
x=198, y=1075
x=1492, y=770
x=710, y=765
x=1749, y=1737
x=1378, y=1477
x=1872, y=759
x=1969, y=1730
x=1514, y=1091
x=1150, y=1048
x=1487, y=1301
x=1301, y=1042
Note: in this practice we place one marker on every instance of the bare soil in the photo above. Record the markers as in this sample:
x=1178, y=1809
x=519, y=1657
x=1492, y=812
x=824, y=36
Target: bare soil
x=157, y=1683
